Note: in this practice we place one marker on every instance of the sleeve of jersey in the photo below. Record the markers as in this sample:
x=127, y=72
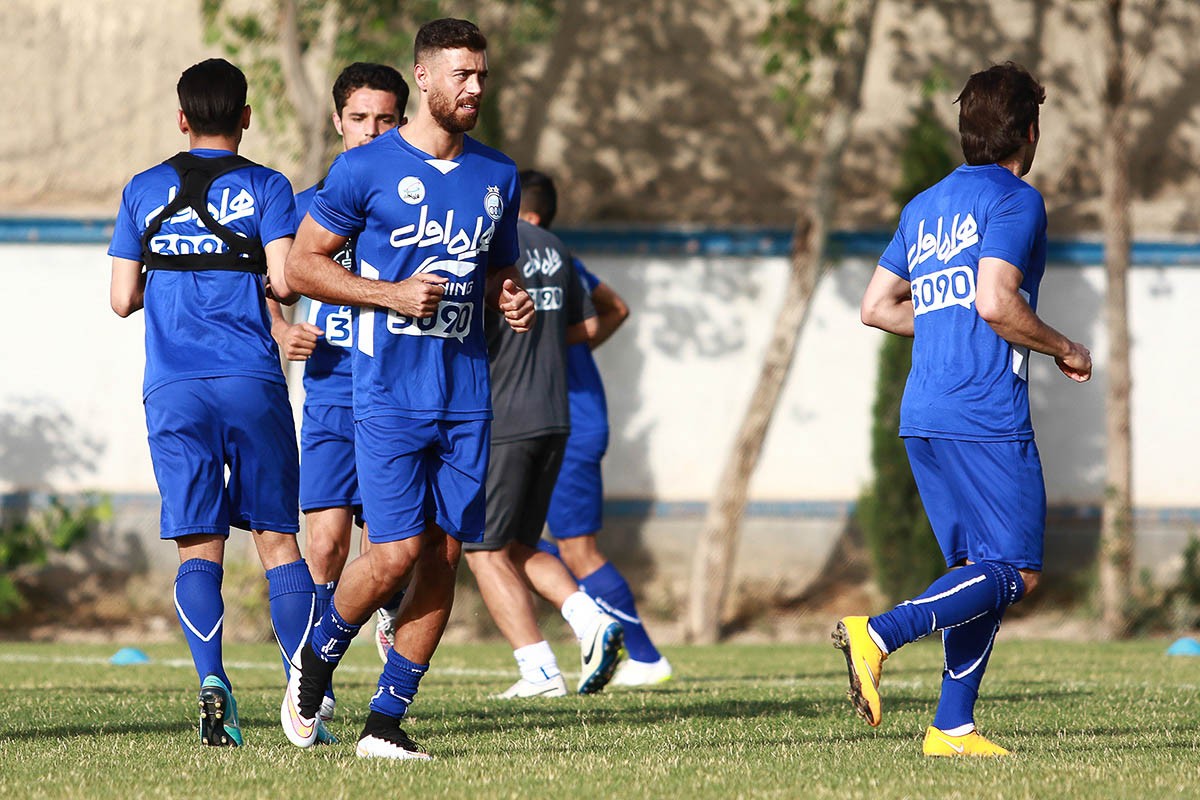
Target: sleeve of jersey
x=279, y=209
x=504, y=249
x=589, y=280
x=127, y=237
x=338, y=206
x=1013, y=228
x=895, y=257
x=579, y=299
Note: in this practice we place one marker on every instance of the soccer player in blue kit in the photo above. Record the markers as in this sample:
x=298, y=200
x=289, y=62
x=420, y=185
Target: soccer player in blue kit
x=193, y=239
x=961, y=276
x=369, y=100
x=434, y=215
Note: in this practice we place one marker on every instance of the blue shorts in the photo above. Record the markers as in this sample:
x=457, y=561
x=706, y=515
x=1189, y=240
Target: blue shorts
x=577, y=504
x=413, y=470
x=328, y=477
x=199, y=427
x=986, y=501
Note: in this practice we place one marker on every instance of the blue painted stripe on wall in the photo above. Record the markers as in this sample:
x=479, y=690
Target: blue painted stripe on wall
x=674, y=240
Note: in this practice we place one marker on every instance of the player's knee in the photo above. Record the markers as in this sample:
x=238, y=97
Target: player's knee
x=1031, y=579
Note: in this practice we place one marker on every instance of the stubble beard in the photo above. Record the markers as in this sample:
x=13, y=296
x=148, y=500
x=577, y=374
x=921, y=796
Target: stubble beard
x=446, y=113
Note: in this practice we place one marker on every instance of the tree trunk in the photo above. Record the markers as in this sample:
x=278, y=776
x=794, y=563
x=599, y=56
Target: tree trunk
x=1116, y=526
x=305, y=79
x=713, y=565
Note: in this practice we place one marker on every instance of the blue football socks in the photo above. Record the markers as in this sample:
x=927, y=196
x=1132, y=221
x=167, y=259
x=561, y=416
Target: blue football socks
x=201, y=614
x=957, y=597
x=324, y=598
x=968, y=648
x=608, y=587
x=292, y=594
x=332, y=635
x=397, y=685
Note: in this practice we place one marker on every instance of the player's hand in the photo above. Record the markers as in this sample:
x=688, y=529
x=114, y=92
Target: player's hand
x=299, y=341
x=419, y=295
x=1077, y=364
x=517, y=306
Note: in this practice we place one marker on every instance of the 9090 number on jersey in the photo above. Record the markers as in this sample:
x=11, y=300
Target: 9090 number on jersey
x=452, y=320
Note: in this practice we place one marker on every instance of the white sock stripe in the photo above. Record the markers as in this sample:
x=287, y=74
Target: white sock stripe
x=960, y=675
x=616, y=612
x=184, y=617
x=951, y=591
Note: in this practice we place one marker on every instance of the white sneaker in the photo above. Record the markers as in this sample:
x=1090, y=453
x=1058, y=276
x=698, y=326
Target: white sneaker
x=385, y=633
x=551, y=687
x=388, y=740
x=301, y=731
x=642, y=673
x=599, y=652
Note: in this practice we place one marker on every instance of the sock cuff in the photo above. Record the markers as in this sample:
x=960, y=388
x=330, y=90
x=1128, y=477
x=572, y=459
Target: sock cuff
x=399, y=662
x=346, y=628
x=602, y=579
x=324, y=591
x=200, y=565
x=289, y=579
x=1010, y=586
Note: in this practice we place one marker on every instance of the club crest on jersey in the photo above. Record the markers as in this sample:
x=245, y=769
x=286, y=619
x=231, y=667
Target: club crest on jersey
x=493, y=203
x=411, y=190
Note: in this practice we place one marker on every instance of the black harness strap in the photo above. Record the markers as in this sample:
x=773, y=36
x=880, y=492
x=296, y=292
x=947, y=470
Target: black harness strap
x=196, y=177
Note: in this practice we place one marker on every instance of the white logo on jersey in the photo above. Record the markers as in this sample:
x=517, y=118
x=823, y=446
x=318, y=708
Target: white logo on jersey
x=459, y=269
x=945, y=246
x=428, y=232
x=547, y=298
x=411, y=190
x=173, y=244
x=943, y=289
x=547, y=261
x=493, y=203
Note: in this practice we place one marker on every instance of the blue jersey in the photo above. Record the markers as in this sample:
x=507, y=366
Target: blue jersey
x=412, y=213
x=328, y=378
x=585, y=389
x=205, y=323
x=967, y=382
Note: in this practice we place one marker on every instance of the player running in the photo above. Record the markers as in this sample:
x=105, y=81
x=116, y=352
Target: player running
x=434, y=216
x=961, y=276
x=529, y=394
x=193, y=240
x=369, y=100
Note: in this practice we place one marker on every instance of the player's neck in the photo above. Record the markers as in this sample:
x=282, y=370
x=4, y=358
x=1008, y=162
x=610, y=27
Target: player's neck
x=424, y=133
x=198, y=142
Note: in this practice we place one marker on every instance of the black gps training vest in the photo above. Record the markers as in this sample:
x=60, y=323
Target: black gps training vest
x=196, y=176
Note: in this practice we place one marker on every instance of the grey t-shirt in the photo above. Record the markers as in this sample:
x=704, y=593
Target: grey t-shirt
x=529, y=370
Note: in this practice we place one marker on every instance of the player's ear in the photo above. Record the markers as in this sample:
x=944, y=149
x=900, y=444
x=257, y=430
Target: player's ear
x=246, y=117
x=183, y=122
x=421, y=76
x=337, y=124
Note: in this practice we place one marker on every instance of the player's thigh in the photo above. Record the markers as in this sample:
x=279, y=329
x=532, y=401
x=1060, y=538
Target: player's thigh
x=185, y=433
x=264, y=464
x=547, y=457
x=1004, y=500
x=936, y=485
x=394, y=456
x=458, y=478
x=577, y=503
x=328, y=474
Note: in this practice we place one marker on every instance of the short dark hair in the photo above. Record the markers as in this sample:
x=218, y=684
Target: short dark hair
x=447, y=34
x=366, y=75
x=212, y=95
x=996, y=108
x=539, y=195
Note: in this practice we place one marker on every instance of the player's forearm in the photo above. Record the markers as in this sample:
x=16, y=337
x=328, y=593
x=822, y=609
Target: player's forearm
x=320, y=277
x=611, y=313
x=127, y=291
x=1016, y=323
x=892, y=316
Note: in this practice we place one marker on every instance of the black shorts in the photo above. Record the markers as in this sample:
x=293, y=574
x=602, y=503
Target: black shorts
x=520, y=479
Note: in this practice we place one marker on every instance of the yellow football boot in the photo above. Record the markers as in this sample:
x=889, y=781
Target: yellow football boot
x=940, y=744
x=864, y=660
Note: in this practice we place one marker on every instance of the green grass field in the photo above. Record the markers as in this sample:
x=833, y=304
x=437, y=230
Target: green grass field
x=1086, y=720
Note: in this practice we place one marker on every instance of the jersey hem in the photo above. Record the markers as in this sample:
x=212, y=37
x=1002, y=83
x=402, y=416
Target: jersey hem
x=910, y=431
x=189, y=376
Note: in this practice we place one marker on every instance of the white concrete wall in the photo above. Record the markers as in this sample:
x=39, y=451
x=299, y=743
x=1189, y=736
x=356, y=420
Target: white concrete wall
x=679, y=377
